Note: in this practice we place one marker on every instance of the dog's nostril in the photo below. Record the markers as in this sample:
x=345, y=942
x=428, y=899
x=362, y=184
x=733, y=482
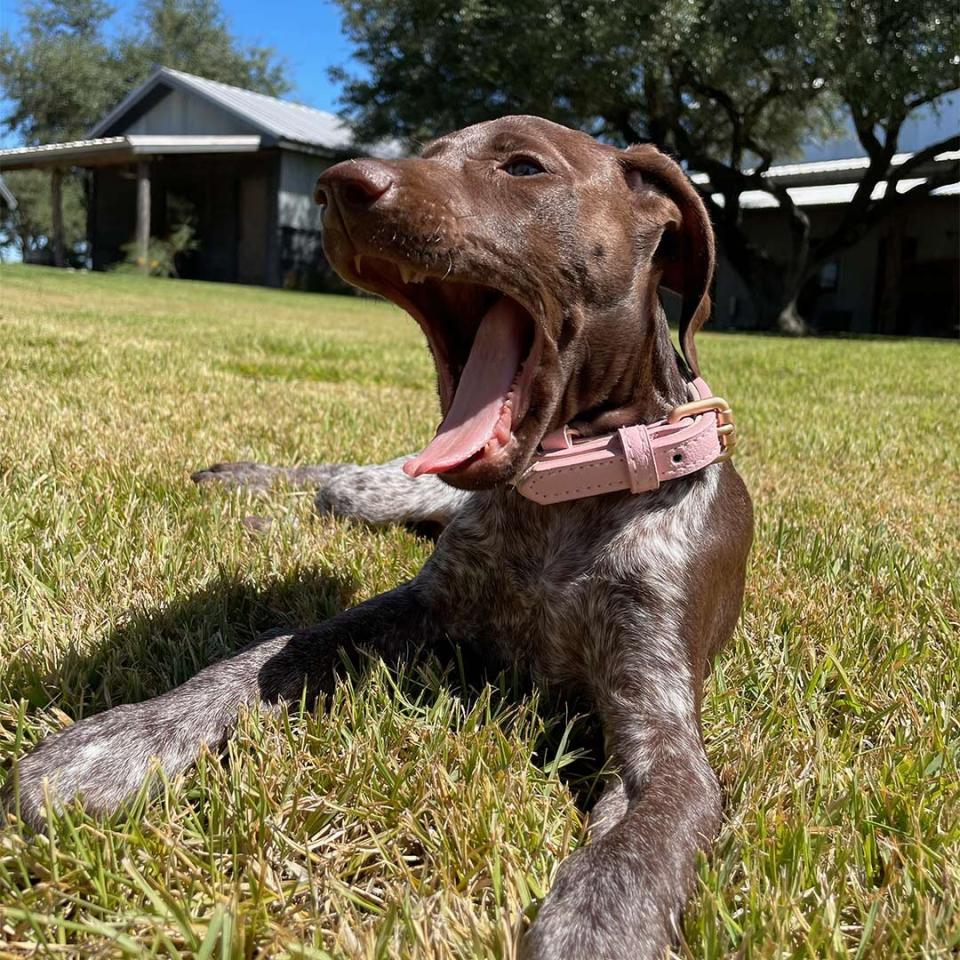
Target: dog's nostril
x=357, y=195
x=361, y=185
x=354, y=185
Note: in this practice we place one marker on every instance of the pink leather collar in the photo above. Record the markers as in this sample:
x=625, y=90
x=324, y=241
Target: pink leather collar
x=637, y=458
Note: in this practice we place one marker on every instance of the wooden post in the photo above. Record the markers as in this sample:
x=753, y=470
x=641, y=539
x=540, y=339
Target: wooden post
x=143, y=215
x=56, y=209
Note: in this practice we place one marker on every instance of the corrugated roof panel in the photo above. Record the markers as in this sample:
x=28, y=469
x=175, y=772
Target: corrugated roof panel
x=823, y=195
x=282, y=118
x=289, y=123
x=83, y=152
x=801, y=171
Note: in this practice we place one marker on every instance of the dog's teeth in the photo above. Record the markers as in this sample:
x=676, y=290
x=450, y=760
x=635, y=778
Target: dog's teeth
x=409, y=275
x=356, y=265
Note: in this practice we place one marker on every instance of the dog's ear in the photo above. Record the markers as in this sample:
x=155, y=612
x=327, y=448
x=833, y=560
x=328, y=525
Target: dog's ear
x=686, y=251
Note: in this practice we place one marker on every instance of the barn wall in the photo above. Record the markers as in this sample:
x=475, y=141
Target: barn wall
x=900, y=278
x=302, y=263
x=111, y=215
x=184, y=114
x=298, y=177
x=229, y=198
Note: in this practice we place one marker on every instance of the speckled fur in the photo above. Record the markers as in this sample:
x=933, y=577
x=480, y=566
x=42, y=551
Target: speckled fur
x=620, y=599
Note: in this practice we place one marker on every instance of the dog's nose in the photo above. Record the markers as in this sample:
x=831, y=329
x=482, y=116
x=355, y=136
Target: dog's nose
x=354, y=184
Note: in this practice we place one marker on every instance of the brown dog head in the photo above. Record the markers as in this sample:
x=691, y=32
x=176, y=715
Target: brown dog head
x=531, y=256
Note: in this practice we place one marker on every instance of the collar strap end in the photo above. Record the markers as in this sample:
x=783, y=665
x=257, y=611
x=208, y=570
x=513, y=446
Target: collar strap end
x=637, y=458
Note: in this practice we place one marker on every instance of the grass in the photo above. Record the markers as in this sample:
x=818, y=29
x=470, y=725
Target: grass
x=416, y=818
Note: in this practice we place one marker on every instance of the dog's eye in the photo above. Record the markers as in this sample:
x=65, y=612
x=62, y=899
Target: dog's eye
x=522, y=167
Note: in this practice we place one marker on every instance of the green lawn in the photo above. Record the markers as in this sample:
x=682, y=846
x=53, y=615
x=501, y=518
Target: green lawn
x=413, y=818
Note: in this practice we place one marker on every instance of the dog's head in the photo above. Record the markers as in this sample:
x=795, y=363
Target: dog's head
x=531, y=256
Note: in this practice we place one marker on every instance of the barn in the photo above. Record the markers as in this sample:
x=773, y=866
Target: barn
x=902, y=277
x=239, y=166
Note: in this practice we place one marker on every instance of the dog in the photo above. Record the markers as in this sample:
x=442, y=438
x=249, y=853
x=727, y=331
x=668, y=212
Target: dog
x=594, y=533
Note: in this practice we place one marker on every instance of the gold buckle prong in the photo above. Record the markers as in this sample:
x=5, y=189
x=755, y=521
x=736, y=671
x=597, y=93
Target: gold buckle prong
x=696, y=407
x=726, y=428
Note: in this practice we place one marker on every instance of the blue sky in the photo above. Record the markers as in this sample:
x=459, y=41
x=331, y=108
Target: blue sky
x=307, y=35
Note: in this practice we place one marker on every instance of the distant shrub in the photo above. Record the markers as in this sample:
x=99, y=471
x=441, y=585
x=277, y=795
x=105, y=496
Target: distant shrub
x=162, y=253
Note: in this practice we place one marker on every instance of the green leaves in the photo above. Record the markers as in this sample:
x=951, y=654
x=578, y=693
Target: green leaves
x=67, y=68
x=726, y=85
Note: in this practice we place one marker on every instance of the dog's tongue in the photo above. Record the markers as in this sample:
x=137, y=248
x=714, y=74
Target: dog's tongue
x=490, y=371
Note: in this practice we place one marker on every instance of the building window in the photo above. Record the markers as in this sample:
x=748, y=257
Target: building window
x=829, y=276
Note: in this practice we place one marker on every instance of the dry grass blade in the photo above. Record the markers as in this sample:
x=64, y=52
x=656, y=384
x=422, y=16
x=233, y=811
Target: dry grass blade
x=413, y=818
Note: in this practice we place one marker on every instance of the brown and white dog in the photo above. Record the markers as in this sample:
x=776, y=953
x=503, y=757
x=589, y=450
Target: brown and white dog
x=531, y=255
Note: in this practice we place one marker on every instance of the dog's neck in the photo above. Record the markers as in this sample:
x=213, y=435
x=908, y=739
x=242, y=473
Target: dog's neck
x=650, y=386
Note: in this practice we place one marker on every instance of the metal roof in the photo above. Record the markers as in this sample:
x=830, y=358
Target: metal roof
x=824, y=195
x=101, y=150
x=275, y=118
x=828, y=182
x=6, y=196
x=833, y=171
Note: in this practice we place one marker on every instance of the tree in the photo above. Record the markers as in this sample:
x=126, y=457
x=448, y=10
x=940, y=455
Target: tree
x=59, y=74
x=194, y=36
x=62, y=73
x=28, y=227
x=728, y=86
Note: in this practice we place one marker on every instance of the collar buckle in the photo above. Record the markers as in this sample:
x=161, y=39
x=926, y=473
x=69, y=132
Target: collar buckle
x=726, y=428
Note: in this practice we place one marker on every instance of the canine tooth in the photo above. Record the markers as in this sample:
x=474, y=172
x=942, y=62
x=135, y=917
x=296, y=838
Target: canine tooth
x=405, y=274
x=356, y=265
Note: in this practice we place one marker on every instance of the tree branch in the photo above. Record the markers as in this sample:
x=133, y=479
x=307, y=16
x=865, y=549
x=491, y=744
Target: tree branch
x=921, y=157
x=926, y=98
x=847, y=234
x=725, y=101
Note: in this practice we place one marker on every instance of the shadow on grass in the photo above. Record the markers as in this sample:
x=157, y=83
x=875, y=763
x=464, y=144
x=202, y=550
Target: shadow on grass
x=154, y=650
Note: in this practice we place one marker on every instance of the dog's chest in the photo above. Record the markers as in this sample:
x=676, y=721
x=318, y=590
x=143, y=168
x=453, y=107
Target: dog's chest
x=537, y=589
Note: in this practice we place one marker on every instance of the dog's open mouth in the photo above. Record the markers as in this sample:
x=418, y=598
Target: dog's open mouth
x=486, y=347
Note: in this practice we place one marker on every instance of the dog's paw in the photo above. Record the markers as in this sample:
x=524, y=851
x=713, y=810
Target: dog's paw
x=104, y=760
x=601, y=907
x=244, y=474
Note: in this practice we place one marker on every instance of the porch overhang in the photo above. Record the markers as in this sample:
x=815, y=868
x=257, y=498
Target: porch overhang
x=112, y=151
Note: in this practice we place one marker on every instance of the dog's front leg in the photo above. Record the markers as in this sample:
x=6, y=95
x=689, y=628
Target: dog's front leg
x=105, y=759
x=620, y=897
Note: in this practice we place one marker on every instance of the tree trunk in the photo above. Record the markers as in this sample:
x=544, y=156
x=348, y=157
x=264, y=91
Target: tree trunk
x=790, y=322
x=773, y=286
x=774, y=291
x=891, y=270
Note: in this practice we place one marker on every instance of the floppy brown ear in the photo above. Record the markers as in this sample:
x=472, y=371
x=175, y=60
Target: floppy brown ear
x=687, y=250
